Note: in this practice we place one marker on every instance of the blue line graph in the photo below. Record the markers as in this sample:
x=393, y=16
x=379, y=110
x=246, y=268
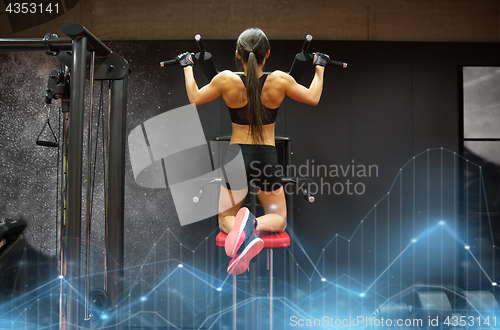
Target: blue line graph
x=431, y=231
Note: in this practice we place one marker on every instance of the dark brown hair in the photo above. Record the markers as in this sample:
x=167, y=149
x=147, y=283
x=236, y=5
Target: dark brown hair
x=252, y=46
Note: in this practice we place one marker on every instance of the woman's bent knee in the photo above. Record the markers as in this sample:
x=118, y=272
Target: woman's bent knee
x=225, y=223
x=283, y=214
x=282, y=229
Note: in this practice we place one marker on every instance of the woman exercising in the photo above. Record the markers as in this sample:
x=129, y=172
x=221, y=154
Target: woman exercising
x=253, y=99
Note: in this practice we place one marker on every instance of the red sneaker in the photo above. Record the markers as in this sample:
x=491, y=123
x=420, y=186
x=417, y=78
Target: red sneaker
x=244, y=226
x=248, y=249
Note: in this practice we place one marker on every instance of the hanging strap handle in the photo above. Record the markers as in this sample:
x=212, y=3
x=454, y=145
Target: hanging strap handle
x=43, y=143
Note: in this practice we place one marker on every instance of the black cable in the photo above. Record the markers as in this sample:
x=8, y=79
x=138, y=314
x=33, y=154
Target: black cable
x=57, y=168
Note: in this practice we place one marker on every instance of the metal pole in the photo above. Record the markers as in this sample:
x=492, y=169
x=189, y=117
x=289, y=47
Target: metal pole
x=235, y=320
x=35, y=44
x=115, y=193
x=74, y=211
x=271, y=288
x=289, y=201
x=64, y=204
x=88, y=214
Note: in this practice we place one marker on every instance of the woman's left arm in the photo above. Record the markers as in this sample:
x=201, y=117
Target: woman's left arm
x=208, y=92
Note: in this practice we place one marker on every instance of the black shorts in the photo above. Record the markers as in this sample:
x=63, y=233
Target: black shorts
x=261, y=167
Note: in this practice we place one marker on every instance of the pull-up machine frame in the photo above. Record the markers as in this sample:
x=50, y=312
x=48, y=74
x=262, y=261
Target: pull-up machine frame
x=73, y=52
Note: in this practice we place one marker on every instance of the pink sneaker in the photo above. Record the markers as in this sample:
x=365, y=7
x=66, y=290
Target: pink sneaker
x=244, y=226
x=248, y=249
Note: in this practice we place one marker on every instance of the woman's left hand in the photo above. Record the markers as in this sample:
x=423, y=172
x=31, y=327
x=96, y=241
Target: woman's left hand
x=185, y=59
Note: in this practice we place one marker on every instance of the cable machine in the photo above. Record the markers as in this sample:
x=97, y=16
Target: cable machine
x=85, y=56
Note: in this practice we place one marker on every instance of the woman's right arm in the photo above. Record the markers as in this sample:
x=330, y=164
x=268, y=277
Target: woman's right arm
x=312, y=94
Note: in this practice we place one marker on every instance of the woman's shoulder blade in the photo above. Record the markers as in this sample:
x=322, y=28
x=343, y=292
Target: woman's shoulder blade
x=278, y=73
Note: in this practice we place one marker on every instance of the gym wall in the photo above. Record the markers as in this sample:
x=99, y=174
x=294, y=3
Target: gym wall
x=367, y=20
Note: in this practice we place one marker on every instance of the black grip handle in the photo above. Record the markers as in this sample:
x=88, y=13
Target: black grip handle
x=337, y=63
x=202, y=183
x=304, y=186
x=47, y=144
x=307, y=195
x=169, y=62
x=332, y=62
x=198, y=197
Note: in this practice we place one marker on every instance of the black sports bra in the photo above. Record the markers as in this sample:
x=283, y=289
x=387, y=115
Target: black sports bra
x=239, y=115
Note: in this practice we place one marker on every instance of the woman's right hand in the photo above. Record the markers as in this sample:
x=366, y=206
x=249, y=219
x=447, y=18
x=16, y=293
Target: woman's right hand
x=320, y=59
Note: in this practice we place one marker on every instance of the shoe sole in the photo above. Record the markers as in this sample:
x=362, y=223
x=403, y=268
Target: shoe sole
x=240, y=264
x=236, y=236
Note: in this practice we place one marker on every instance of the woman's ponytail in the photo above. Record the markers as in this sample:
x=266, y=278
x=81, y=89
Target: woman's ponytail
x=254, y=113
x=253, y=46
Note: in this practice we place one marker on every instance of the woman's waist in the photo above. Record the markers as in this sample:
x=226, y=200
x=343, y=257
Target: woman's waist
x=241, y=134
x=252, y=150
